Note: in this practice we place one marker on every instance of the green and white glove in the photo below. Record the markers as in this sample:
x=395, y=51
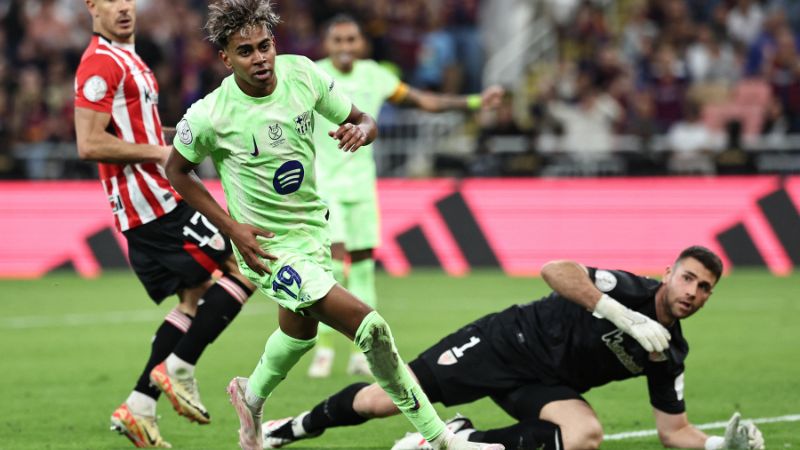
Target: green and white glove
x=739, y=435
x=647, y=332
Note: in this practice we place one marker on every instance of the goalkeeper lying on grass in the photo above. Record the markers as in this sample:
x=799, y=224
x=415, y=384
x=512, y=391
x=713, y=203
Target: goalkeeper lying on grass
x=535, y=360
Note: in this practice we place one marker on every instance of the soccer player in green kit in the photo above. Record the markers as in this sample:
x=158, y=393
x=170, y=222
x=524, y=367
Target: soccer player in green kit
x=257, y=127
x=347, y=181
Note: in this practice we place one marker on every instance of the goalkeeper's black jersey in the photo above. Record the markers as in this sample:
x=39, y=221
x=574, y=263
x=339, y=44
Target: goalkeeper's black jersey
x=557, y=341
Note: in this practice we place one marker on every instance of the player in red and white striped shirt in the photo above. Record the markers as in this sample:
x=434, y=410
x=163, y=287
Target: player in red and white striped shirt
x=172, y=248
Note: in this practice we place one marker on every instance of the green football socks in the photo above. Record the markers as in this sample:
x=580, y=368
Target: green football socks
x=281, y=353
x=361, y=281
x=374, y=338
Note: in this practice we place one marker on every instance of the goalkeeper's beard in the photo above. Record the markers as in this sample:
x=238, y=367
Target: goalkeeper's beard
x=666, y=308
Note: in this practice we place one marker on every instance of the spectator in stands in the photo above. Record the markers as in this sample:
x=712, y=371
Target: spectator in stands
x=733, y=159
x=6, y=159
x=744, y=21
x=588, y=124
x=503, y=147
x=667, y=86
x=691, y=144
x=782, y=70
x=677, y=28
x=775, y=126
x=789, y=8
x=711, y=61
x=437, y=61
x=638, y=35
x=765, y=43
x=301, y=37
x=461, y=23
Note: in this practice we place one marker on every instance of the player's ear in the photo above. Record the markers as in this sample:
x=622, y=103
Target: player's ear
x=225, y=60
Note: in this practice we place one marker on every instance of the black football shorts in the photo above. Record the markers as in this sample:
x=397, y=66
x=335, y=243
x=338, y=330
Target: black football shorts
x=180, y=249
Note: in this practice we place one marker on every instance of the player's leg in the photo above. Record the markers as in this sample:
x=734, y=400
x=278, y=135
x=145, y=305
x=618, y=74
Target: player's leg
x=136, y=417
x=361, y=283
x=345, y=313
x=322, y=360
x=217, y=303
x=192, y=249
x=353, y=405
x=363, y=235
x=549, y=417
x=580, y=427
x=295, y=335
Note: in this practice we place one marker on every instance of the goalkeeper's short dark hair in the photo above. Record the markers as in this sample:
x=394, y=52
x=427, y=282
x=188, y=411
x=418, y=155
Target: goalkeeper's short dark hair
x=707, y=258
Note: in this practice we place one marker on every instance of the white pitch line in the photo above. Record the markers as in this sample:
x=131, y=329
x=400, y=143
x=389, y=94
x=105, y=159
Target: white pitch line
x=112, y=317
x=705, y=426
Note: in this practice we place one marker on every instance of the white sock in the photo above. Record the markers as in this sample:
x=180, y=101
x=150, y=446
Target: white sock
x=252, y=399
x=179, y=368
x=297, y=425
x=141, y=405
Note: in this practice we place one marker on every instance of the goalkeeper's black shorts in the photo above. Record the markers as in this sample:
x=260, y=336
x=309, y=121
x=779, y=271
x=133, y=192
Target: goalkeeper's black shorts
x=463, y=367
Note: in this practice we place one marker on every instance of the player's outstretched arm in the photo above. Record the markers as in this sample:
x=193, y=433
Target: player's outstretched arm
x=675, y=431
x=490, y=98
x=97, y=144
x=570, y=280
x=179, y=173
x=357, y=130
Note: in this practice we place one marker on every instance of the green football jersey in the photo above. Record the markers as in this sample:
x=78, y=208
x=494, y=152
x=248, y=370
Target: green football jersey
x=263, y=148
x=350, y=176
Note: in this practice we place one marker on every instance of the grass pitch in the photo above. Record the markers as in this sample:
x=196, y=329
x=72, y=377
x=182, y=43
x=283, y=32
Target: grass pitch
x=72, y=349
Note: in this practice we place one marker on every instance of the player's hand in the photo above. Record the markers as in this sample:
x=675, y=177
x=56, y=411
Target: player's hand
x=742, y=435
x=167, y=149
x=351, y=137
x=244, y=237
x=492, y=96
x=647, y=332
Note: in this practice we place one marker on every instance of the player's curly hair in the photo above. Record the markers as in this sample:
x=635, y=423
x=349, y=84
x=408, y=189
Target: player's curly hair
x=226, y=17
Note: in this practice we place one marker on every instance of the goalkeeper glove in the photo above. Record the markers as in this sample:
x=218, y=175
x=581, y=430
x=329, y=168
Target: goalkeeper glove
x=647, y=332
x=739, y=435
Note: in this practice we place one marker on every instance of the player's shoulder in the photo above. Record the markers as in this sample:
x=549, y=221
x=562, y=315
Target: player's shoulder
x=99, y=60
x=629, y=288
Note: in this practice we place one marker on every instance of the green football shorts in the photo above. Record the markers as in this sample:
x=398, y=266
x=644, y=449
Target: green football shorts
x=356, y=224
x=298, y=280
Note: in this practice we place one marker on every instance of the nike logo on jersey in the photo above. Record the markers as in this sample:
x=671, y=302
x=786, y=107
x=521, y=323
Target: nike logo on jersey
x=255, y=147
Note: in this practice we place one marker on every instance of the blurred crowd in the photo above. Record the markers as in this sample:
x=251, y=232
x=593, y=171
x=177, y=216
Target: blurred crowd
x=636, y=86
x=691, y=84
x=41, y=42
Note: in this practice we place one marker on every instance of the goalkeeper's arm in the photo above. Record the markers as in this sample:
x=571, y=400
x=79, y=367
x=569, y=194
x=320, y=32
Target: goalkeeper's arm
x=570, y=280
x=675, y=431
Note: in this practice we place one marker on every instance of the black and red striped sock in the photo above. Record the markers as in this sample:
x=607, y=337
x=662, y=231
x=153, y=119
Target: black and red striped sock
x=215, y=311
x=167, y=336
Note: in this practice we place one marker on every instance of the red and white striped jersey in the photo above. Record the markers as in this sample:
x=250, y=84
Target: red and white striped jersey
x=111, y=78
